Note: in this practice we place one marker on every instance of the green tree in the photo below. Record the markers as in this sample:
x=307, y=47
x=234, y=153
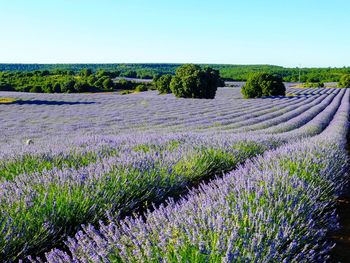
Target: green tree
x=36, y=89
x=45, y=73
x=68, y=86
x=101, y=73
x=81, y=86
x=263, y=84
x=107, y=84
x=86, y=72
x=124, y=84
x=191, y=81
x=129, y=74
x=162, y=83
x=91, y=80
x=140, y=88
x=57, y=88
x=344, y=81
x=48, y=88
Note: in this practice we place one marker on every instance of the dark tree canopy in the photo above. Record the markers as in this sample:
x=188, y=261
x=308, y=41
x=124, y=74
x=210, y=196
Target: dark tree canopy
x=141, y=88
x=107, y=84
x=191, y=81
x=86, y=72
x=162, y=83
x=263, y=84
x=68, y=86
x=344, y=81
x=36, y=89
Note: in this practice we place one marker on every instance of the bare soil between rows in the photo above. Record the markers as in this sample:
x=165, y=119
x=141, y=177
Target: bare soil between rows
x=341, y=237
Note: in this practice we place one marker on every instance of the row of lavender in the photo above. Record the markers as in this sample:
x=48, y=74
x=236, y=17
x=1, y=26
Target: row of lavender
x=43, y=116
x=120, y=174
x=98, y=148
x=91, y=149
x=275, y=208
x=241, y=115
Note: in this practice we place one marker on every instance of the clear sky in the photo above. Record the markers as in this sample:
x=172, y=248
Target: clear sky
x=280, y=32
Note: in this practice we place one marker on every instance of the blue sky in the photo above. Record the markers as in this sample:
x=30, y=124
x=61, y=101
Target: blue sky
x=287, y=33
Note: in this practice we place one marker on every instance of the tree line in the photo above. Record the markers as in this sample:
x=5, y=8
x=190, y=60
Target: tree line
x=188, y=81
x=227, y=72
x=309, y=75
x=64, y=81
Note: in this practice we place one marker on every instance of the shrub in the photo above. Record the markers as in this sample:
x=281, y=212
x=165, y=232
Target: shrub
x=140, y=88
x=36, y=89
x=313, y=79
x=129, y=74
x=48, y=88
x=344, y=81
x=57, y=88
x=91, y=80
x=107, y=84
x=313, y=85
x=99, y=81
x=6, y=87
x=86, y=72
x=163, y=84
x=124, y=84
x=191, y=81
x=80, y=86
x=263, y=84
x=68, y=86
x=125, y=92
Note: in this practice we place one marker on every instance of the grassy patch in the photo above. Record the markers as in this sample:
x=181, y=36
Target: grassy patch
x=126, y=92
x=168, y=146
x=29, y=163
x=7, y=100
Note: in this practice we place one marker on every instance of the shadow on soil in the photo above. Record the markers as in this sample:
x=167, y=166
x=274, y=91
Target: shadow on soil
x=50, y=102
x=296, y=96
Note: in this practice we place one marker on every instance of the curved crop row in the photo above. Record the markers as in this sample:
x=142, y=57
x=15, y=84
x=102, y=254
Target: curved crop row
x=238, y=114
x=33, y=161
x=259, y=120
x=221, y=120
x=43, y=116
x=285, y=117
x=306, y=116
x=46, y=206
x=275, y=208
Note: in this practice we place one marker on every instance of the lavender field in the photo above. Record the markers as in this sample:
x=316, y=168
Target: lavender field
x=153, y=178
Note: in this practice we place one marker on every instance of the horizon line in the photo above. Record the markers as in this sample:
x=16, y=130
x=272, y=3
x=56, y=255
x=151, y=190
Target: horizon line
x=155, y=63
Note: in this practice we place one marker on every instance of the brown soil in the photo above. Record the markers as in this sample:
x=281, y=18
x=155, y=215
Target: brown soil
x=341, y=237
x=341, y=252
